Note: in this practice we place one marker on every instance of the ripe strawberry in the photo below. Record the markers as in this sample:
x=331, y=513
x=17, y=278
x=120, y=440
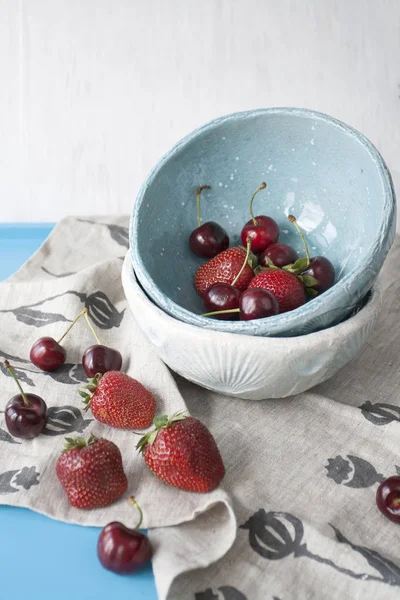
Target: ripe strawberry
x=223, y=268
x=183, y=453
x=286, y=287
x=91, y=472
x=119, y=400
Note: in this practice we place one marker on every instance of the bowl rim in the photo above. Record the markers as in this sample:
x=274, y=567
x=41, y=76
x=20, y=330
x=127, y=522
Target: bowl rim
x=289, y=319
x=345, y=328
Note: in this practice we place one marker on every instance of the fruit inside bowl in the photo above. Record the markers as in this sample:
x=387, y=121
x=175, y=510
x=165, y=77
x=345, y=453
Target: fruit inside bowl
x=317, y=168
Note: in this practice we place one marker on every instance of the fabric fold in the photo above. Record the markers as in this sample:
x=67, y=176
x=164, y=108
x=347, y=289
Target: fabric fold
x=295, y=516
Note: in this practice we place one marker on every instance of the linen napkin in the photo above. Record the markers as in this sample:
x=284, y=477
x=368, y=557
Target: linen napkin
x=298, y=518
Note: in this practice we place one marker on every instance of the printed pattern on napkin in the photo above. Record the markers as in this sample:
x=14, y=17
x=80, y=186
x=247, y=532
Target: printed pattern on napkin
x=79, y=266
x=298, y=519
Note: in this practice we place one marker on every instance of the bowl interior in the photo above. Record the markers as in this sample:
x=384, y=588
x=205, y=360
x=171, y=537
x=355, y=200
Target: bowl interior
x=316, y=168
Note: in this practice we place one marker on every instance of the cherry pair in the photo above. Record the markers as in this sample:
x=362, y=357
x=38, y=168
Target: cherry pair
x=210, y=239
x=47, y=354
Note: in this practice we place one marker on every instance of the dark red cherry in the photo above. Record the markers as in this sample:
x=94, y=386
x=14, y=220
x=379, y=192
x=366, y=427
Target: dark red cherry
x=100, y=359
x=47, y=354
x=323, y=271
x=123, y=550
x=25, y=414
x=257, y=303
x=320, y=268
x=388, y=498
x=262, y=230
x=222, y=296
x=209, y=239
x=280, y=254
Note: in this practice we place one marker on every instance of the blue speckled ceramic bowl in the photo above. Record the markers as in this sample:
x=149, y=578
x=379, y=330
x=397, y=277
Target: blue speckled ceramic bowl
x=317, y=168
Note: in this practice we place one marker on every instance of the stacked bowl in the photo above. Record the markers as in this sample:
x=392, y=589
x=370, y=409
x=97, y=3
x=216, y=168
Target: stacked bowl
x=317, y=168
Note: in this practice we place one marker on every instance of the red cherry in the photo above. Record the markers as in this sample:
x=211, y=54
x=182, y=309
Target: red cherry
x=222, y=299
x=221, y=296
x=319, y=267
x=323, y=271
x=47, y=354
x=123, y=550
x=257, y=304
x=25, y=414
x=209, y=239
x=262, y=230
x=280, y=254
x=388, y=498
x=100, y=359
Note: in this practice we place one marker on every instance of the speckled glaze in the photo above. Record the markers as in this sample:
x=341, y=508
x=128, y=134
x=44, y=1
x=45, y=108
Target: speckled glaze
x=317, y=168
x=254, y=368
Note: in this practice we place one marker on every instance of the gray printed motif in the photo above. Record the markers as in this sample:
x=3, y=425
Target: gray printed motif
x=227, y=592
x=380, y=413
x=65, y=419
x=100, y=309
x=60, y=275
x=12, y=481
x=69, y=373
x=19, y=371
x=353, y=473
x=6, y=437
x=276, y=535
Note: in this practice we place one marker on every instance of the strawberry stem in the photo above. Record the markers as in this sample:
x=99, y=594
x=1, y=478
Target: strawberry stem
x=83, y=312
x=293, y=220
x=228, y=311
x=132, y=501
x=91, y=327
x=13, y=375
x=262, y=186
x=198, y=194
x=244, y=264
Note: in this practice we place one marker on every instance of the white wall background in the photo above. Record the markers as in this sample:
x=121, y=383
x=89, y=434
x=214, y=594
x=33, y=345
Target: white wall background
x=92, y=92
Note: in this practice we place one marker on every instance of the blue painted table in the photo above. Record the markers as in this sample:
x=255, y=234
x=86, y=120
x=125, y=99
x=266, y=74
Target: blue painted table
x=41, y=558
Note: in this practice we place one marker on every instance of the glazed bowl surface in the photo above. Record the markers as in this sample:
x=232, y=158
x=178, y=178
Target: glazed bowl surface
x=319, y=169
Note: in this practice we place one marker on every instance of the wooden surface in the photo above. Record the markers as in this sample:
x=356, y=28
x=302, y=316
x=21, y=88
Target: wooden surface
x=94, y=91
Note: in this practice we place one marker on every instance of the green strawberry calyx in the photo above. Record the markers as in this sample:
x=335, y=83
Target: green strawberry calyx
x=87, y=391
x=160, y=422
x=79, y=443
x=295, y=269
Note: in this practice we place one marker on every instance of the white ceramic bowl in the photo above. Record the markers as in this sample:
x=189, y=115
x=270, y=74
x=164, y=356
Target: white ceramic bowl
x=249, y=367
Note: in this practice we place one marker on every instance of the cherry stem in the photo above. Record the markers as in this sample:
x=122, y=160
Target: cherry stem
x=132, y=501
x=262, y=186
x=293, y=220
x=13, y=375
x=228, y=311
x=92, y=328
x=244, y=264
x=198, y=194
x=83, y=312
